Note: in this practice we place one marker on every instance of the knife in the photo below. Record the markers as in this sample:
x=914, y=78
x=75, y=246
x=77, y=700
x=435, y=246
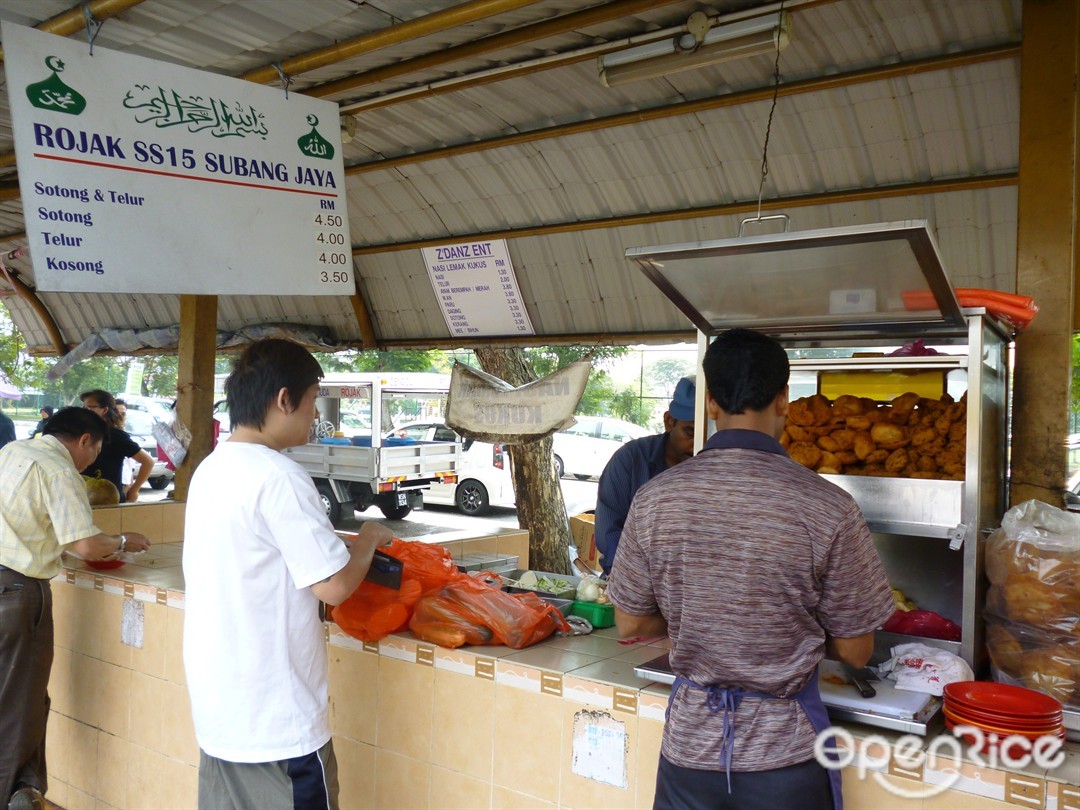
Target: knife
x=861, y=678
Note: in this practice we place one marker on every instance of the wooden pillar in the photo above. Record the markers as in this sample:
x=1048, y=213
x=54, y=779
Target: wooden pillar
x=1046, y=246
x=195, y=381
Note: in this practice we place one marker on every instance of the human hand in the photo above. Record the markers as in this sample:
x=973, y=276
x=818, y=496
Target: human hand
x=136, y=541
x=131, y=494
x=371, y=536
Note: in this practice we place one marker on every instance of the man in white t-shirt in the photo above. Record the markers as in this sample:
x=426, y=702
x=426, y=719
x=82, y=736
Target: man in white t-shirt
x=259, y=555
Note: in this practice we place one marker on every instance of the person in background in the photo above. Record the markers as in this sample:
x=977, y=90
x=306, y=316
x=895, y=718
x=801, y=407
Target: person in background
x=45, y=412
x=754, y=567
x=259, y=549
x=43, y=510
x=7, y=429
x=121, y=413
x=639, y=461
x=118, y=446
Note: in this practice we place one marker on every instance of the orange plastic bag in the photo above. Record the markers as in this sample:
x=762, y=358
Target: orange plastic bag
x=469, y=611
x=374, y=612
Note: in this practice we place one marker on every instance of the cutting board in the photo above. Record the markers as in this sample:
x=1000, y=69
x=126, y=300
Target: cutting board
x=889, y=701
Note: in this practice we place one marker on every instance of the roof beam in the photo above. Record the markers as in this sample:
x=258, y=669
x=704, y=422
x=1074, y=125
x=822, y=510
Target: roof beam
x=453, y=17
x=816, y=84
x=723, y=209
x=508, y=39
x=27, y=294
x=68, y=22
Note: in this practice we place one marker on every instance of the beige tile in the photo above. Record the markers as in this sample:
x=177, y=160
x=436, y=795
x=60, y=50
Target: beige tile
x=174, y=646
x=870, y=794
x=531, y=768
x=354, y=678
x=172, y=522
x=405, y=708
x=480, y=545
x=58, y=790
x=178, y=728
x=144, y=518
x=463, y=732
x=451, y=790
x=113, y=651
x=107, y=518
x=401, y=783
x=150, y=658
x=85, y=626
x=82, y=770
x=63, y=607
x=550, y=658
x=147, y=711
x=86, y=692
x=114, y=699
x=959, y=800
x=650, y=734
x=178, y=785
x=79, y=800
x=146, y=772
x=581, y=792
x=58, y=746
x=114, y=755
x=506, y=799
x=61, y=685
x=517, y=544
x=356, y=774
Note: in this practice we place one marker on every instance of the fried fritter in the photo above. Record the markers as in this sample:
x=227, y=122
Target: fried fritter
x=805, y=453
x=889, y=437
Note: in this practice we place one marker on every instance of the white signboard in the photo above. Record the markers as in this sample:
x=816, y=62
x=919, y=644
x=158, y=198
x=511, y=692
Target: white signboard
x=477, y=289
x=141, y=176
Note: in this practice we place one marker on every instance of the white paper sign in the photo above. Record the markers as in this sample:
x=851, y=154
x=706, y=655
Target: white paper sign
x=477, y=289
x=141, y=176
x=599, y=748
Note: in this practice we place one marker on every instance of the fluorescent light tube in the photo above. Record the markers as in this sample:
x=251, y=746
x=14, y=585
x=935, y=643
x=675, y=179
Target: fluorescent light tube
x=720, y=44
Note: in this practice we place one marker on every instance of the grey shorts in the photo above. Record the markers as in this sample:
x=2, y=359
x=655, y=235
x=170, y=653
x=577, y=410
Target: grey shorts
x=301, y=783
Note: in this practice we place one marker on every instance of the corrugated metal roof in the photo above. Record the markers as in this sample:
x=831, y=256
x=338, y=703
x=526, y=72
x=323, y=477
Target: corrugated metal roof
x=959, y=122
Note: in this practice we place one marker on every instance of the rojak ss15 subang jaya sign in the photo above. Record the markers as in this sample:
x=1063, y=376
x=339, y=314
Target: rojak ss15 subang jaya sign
x=141, y=176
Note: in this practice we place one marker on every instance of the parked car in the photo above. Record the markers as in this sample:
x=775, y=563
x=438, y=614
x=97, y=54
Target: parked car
x=1072, y=494
x=138, y=425
x=484, y=478
x=585, y=448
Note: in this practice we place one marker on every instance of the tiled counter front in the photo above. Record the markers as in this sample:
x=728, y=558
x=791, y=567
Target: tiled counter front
x=562, y=724
x=419, y=726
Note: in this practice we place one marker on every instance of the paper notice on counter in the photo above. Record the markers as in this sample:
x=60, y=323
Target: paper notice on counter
x=477, y=290
x=132, y=623
x=599, y=748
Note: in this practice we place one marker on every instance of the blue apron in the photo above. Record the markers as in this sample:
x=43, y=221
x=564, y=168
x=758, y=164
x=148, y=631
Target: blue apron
x=727, y=700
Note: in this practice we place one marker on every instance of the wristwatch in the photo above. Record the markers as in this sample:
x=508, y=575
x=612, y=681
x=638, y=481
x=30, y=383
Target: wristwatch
x=123, y=543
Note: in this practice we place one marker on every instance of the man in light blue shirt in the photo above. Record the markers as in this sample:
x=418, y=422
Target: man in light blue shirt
x=639, y=461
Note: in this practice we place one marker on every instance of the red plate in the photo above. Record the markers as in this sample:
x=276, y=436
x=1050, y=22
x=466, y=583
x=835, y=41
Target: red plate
x=964, y=713
x=1015, y=750
x=1003, y=730
x=1002, y=699
x=104, y=565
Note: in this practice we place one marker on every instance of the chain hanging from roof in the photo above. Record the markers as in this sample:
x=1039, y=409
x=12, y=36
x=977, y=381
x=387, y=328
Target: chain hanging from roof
x=768, y=126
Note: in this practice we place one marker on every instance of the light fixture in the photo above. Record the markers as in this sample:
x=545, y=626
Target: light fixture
x=702, y=44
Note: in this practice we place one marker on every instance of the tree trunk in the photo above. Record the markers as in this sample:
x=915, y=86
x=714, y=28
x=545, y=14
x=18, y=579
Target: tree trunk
x=540, y=504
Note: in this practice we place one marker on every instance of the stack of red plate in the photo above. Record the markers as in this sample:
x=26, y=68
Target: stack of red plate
x=1000, y=710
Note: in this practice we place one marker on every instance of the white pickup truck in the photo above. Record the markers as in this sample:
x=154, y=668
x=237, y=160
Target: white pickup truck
x=354, y=457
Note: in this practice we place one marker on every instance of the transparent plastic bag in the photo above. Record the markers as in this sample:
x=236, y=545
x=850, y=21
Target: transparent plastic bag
x=1033, y=604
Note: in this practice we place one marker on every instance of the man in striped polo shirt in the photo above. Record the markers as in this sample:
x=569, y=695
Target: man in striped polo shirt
x=638, y=462
x=755, y=567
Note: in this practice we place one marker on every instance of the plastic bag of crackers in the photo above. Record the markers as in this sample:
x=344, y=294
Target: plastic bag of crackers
x=1033, y=604
x=909, y=437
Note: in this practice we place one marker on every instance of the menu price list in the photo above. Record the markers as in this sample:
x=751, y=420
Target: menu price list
x=332, y=250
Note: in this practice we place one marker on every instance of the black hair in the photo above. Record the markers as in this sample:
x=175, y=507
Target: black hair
x=49, y=410
x=107, y=401
x=72, y=422
x=263, y=369
x=745, y=370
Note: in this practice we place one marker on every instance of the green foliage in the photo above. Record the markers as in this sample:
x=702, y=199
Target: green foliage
x=666, y=372
x=373, y=361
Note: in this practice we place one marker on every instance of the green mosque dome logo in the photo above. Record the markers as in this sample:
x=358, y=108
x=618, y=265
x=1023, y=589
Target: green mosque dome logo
x=53, y=94
x=313, y=144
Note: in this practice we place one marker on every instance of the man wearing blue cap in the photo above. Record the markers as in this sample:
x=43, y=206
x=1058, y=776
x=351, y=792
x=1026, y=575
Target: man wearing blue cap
x=639, y=461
